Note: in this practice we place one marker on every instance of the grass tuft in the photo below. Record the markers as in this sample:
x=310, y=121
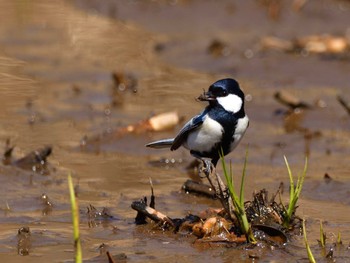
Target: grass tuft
x=238, y=200
x=75, y=219
x=294, y=193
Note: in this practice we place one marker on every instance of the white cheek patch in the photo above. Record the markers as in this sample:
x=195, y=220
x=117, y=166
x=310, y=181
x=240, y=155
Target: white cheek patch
x=231, y=103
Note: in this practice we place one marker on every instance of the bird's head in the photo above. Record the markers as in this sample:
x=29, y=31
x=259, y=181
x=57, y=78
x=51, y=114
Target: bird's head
x=225, y=92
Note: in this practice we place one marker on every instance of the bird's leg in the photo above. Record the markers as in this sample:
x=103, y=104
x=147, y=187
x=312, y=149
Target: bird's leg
x=214, y=179
x=221, y=191
x=206, y=164
x=207, y=167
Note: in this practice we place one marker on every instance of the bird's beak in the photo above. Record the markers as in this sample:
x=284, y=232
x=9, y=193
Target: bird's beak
x=206, y=96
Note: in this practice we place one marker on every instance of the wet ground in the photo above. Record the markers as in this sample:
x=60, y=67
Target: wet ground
x=56, y=65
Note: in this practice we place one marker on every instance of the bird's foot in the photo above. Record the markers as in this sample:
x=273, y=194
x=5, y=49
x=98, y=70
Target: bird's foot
x=206, y=168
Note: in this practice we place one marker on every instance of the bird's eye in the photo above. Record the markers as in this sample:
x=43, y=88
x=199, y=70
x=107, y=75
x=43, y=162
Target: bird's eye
x=224, y=92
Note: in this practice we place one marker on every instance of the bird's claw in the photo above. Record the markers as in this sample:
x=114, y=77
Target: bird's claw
x=205, y=169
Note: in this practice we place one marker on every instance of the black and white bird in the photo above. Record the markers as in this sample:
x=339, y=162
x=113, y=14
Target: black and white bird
x=221, y=125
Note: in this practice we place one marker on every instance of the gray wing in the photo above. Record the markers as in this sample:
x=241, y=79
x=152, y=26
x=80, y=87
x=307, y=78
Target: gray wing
x=193, y=124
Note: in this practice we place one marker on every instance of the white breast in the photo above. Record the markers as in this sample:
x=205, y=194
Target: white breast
x=241, y=127
x=204, y=138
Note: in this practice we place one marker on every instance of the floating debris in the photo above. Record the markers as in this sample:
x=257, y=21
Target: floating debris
x=327, y=178
x=158, y=217
x=93, y=213
x=7, y=156
x=160, y=122
x=290, y=100
x=96, y=217
x=345, y=103
x=47, y=204
x=121, y=257
x=218, y=48
x=159, y=47
x=314, y=44
x=76, y=89
x=322, y=44
x=292, y=121
x=191, y=186
x=35, y=161
x=122, y=82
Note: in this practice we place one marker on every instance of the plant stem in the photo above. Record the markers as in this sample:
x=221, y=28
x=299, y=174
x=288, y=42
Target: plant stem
x=322, y=236
x=75, y=219
x=309, y=252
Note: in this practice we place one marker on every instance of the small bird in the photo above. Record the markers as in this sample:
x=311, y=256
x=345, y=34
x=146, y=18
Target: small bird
x=221, y=125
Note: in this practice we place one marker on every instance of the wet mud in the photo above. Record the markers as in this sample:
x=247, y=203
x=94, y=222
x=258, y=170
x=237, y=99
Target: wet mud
x=75, y=70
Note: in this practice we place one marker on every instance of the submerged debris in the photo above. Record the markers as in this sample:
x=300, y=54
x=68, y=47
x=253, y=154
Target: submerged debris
x=294, y=116
x=95, y=217
x=24, y=242
x=93, y=213
x=35, y=161
x=123, y=82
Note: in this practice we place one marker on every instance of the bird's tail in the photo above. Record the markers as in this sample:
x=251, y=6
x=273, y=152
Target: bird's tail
x=166, y=143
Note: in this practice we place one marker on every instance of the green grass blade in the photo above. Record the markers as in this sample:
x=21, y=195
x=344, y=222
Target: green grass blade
x=291, y=182
x=322, y=236
x=75, y=219
x=302, y=178
x=339, y=242
x=241, y=193
x=309, y=252
x=229, y=179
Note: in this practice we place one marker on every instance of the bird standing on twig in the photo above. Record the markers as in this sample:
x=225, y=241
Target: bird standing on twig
x=221, y=125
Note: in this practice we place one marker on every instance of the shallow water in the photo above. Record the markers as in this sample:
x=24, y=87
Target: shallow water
x=56, y=60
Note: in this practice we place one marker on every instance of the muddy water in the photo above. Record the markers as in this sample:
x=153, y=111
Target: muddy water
x=56, y=60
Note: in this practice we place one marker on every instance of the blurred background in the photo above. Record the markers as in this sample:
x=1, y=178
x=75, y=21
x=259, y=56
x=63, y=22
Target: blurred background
x=74, y=75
